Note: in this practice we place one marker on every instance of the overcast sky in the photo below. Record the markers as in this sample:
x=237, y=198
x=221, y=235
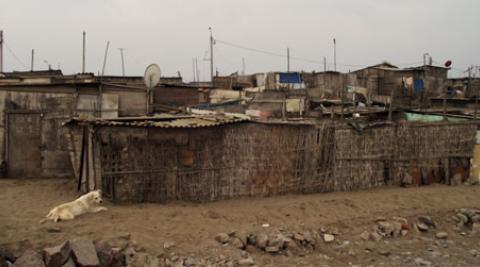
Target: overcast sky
x=172, y=32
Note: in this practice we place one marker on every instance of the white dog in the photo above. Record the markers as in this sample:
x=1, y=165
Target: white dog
x=87, y=203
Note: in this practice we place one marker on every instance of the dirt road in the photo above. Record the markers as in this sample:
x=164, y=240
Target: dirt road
x=192, y=227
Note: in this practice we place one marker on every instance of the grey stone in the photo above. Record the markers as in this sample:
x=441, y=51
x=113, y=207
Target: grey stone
x=375, y=236
x=328, y=238
x=441, y=235
x=120, y=242
x=69, y=263
x=143, y=259
x=168, y=244
x=422, y=227
x=421, y=262
x=427, y=220
x=236, y=242
x=262, y=240
x=104, y=252
x=277, y=241
x=365, y=235
x=272, y=249
x=29, y=258
x=222, y=238
x=246, y=262
x=189, y=262
x=58, y=255
x=84, y=253
x=462, y=218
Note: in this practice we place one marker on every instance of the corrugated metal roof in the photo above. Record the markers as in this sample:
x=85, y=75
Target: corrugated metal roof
x=174, y=122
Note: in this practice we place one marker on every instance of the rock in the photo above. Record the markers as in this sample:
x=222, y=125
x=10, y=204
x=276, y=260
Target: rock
x=6, y=255
x=144, y=260
x=168, y=244
x=476, y=227
x=71, y=263
x=474, y=252
x=385, y=228
x=272, y=249
x=252, y=239
x=328, y=238
x=365, y=235
x=57, y=256
x=422, y=262
x=462, y=218
x=54, y=230
x=441, y=235
x=308, y=237
x=236, y=242
x=119, y=242
x=375, y=236
x=380, y=219
x=29, y=258
x=427, y=220
x=189, y=262
x=422, y=227
x=403, y=232
x=278, y=241
x=119, y=260
x=384, y=252
x=250, y=248
x=104, y=252
x=400, y=220
x=222, y=238
x=84, y=253
x=298, y=237
x=475, y=218
x=246, y=262
x=262, y=240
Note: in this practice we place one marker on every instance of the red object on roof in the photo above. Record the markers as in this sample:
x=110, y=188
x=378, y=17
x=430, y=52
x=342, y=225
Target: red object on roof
x=448, y=63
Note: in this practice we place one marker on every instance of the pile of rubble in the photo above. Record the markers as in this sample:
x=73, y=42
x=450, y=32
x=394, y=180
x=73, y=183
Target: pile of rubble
x=384, y=228
x=279, y=243
x=115, y=252
x=467, y=219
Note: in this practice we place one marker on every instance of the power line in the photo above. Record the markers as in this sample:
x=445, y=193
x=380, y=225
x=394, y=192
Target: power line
x=14, y=55
x=280, y=55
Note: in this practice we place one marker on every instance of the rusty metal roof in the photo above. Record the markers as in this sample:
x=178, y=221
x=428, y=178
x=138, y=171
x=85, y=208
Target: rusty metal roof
x=195, y=121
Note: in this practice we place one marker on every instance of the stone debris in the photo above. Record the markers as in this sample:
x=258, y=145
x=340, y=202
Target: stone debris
x=328, y=238
x=168, y=244
x=57, y=256
x=421, y=262
x=280, y=243
x=441, y=235
x=467, y=219
x=29, y=258
x=84, y=253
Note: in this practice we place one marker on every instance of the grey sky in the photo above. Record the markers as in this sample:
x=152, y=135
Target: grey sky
x=172, y=32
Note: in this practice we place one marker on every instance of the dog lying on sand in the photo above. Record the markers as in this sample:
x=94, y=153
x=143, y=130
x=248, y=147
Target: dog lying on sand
x=87, y=203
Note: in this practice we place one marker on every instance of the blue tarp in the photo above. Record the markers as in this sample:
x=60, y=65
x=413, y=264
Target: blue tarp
x=418, y=86
x=293, y=77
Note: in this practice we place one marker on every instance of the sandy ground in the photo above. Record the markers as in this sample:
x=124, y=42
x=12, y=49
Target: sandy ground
x=192, y=227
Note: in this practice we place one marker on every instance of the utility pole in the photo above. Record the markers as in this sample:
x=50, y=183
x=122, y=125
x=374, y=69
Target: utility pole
x=335, y=54
x=105, y=58
x=324, y=64
x=123, y=61
x=288, y=59
x=1, y=51
x=33, y=56
x=243, y=66
x=211, y=56
x=196, y=70
x=193, y=70
x=83, y=53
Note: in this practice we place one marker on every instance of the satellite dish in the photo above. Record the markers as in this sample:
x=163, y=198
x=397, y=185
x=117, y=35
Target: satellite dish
x=152, y=76
x=448, y=63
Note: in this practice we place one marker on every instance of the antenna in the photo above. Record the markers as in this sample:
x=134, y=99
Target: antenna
x=105, y=58
x=1, y=51
x=151, y=78
x=211, y=54
x=288, y=59
x=335, y=54
x=33, y=56
x=243, y=66
x=123, y=61
x=83, y=53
